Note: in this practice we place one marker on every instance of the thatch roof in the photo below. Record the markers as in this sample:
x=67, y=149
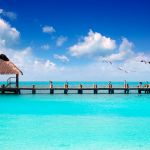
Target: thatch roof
x=7, y=67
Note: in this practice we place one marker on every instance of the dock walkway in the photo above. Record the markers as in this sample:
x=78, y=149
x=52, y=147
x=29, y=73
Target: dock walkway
x=74, y=90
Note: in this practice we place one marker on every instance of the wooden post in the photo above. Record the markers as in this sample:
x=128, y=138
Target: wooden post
x=109, y=88
x=125, y=91
x=80, y=91
x=139, y=91
x=51, y=91
x=51, y=88
x=19, y=92
x=3, y=89
x=149, y=90
x=17, y=81
x=33, y=89
x=95, y=89
x=146, y=89
x=66, y=89
x=112, y=91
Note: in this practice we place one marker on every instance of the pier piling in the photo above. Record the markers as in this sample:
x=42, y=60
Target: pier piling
x=112, y=91
x=66, y=89
x=95, y=88
x=33, y=89
x=126, y=91
x=51, y=91
x=80, y=91
x=139, y=91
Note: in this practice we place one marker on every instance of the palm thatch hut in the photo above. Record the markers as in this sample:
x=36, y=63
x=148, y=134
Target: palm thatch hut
x=9, y=68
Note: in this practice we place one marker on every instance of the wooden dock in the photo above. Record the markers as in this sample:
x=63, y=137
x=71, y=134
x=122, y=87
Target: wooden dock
x=74, y=90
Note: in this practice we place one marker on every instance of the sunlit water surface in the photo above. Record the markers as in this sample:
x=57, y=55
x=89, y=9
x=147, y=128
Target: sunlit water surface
x=75, y=122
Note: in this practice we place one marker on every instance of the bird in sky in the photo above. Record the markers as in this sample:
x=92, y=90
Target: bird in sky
x=107, y=61
x=144, y=61
x=125, y=70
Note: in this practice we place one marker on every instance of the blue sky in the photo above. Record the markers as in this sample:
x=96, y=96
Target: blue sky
x=66, y=36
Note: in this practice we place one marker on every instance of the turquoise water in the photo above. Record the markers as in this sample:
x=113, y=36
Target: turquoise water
x=75, y=122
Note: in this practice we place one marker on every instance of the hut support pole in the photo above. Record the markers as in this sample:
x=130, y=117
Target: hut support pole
x=17, y=80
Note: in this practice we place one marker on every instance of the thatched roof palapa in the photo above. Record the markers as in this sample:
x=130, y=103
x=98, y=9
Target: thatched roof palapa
x=7, y=67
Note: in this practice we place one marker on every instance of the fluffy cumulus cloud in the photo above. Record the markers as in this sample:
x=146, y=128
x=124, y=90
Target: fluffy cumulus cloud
x=62, y=58
x=8, y=34
x=45, y=47
x=125, y=52
x=32, y=66
x=9, y=14
x=48, y=29
x=48, y=65
x=92, y=43
x=61, y=40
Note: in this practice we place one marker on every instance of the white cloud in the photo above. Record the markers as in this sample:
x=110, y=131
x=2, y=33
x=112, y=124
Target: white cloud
x=94, y=42
x=45, y=47
x=61, y=40
x=8, y=33
x=126, y=45
x=125, y=51
x=44, y=64
x=48, y=29
x=9, y=14
x=32, y=67
x=62, y=58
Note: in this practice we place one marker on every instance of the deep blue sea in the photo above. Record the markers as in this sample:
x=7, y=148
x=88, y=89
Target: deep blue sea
x=75, y=122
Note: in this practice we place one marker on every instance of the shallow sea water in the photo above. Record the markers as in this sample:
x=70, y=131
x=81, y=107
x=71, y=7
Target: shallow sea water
x=75, y=122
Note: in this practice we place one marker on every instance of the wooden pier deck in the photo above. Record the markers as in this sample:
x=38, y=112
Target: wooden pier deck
x=74, y=90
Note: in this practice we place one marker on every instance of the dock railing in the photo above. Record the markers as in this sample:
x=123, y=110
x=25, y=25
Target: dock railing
x=10, y=82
